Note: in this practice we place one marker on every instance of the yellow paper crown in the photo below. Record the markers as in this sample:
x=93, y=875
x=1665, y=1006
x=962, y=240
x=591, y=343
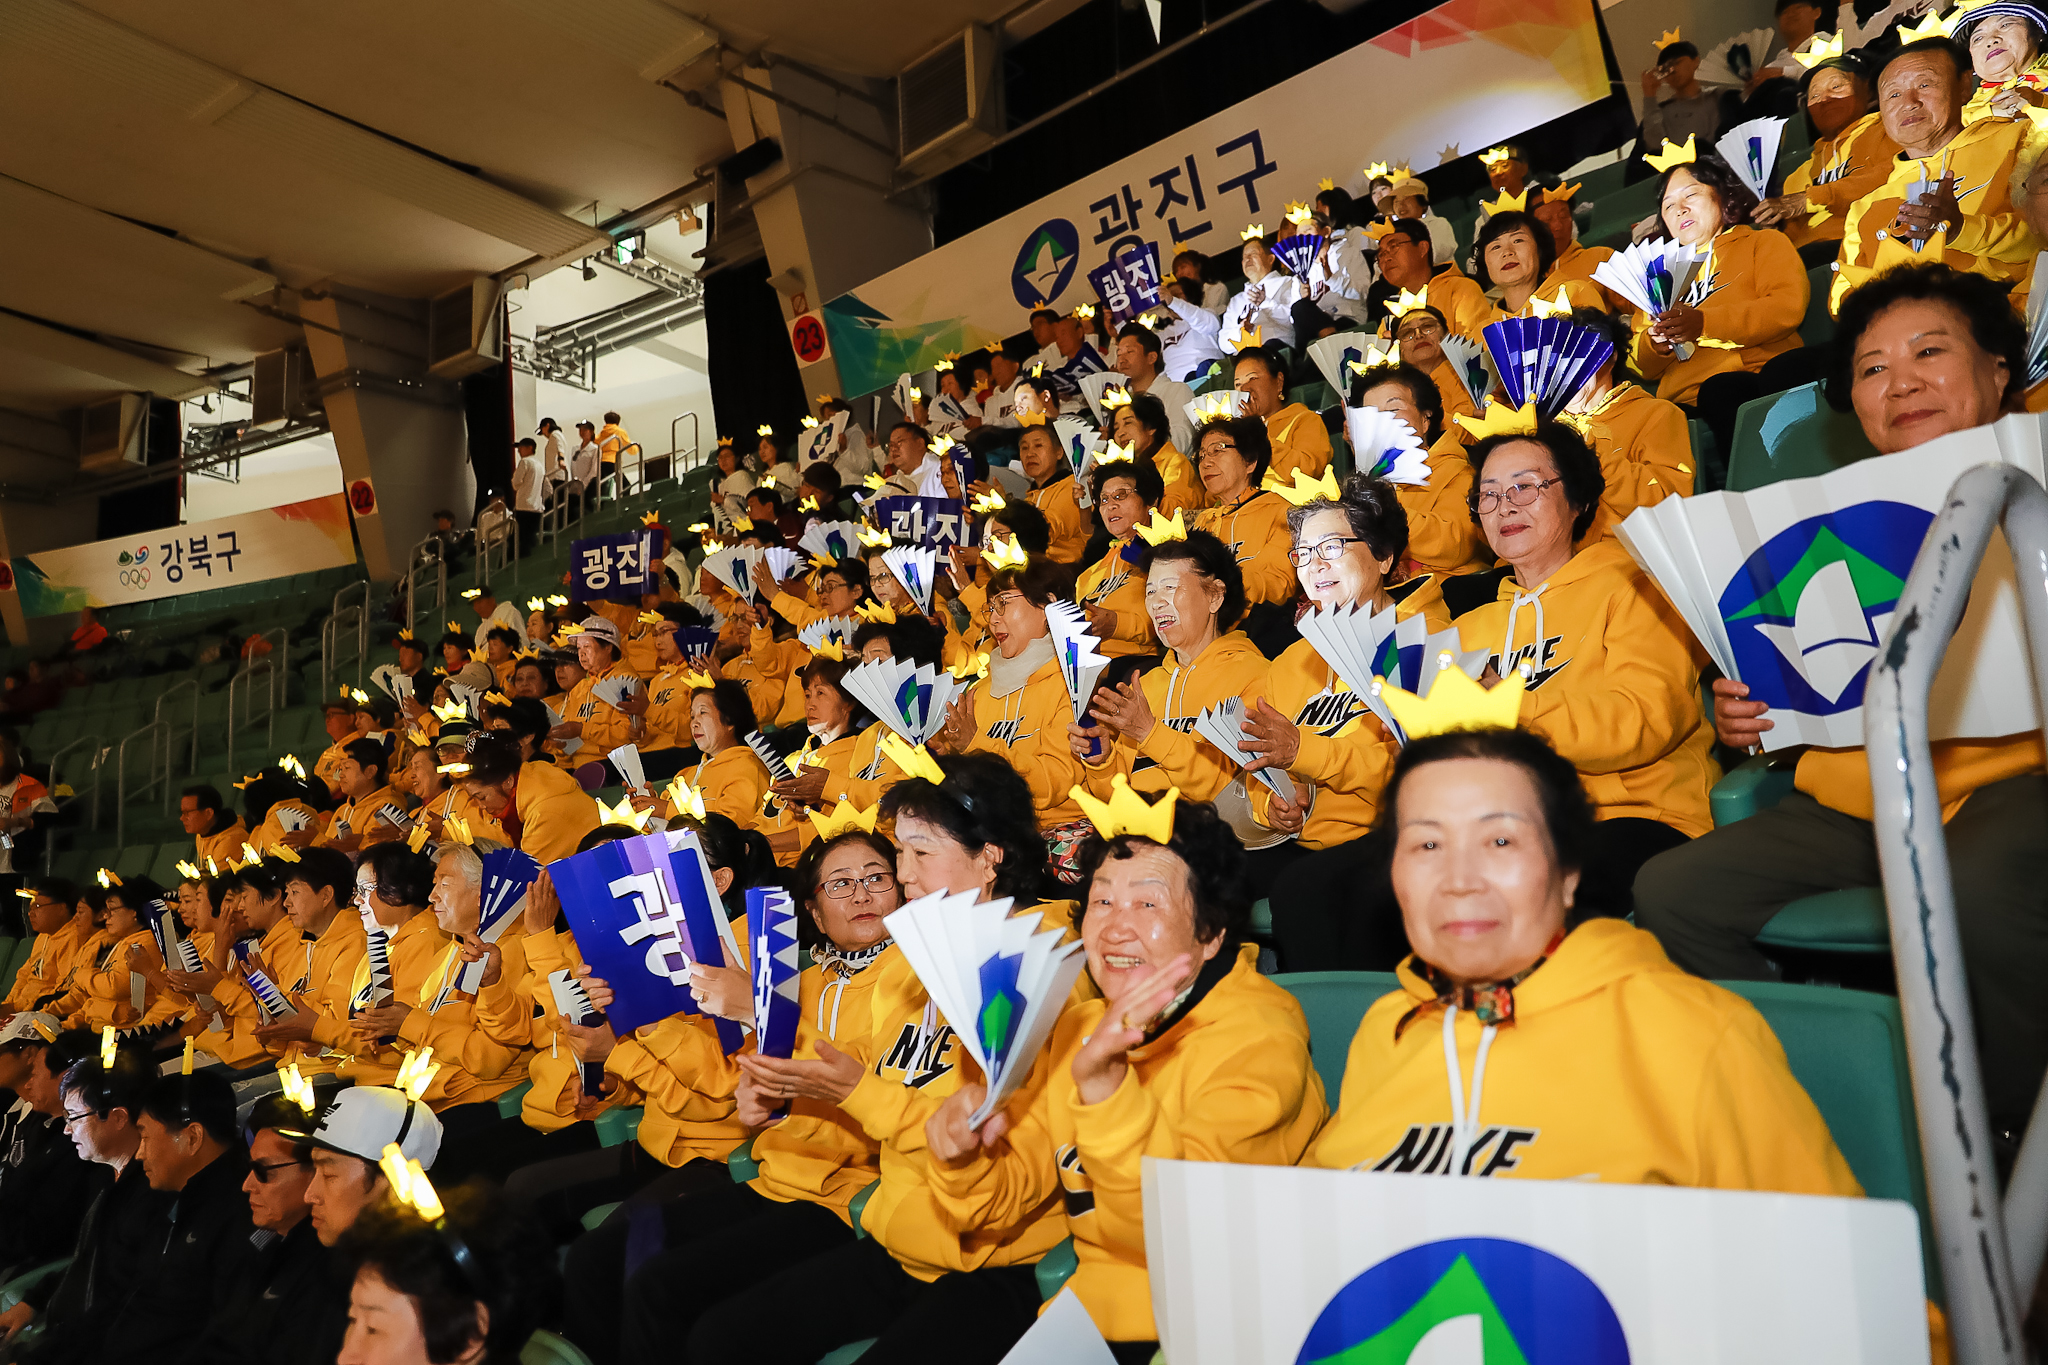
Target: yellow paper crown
x=107, y=878
x=1455, y=702
x=250, y=857
x=1159, y=530
x=845, y=816
x=455, y=769
x=875, y=611
x=1213, y=407
x=1300, y=214
x=765, y=429
x=291, y=764
x=418, y=738
x=687, y=800
x=212, y=867
x=1819, y=51
x=416, y=1073
x=808, y=423
x=1114, y=397
x=1084, y=311
x=295, y=1087
x=1116, y=454
x=1326, y=184
x=623, y=814
x=1402, y=171
x=725, y=443
x=976, y=667
x=1932, y=26
x=556, y=599
x=1408, y=303
x=1558, y=195
x=1377, y=170
x=1560, y=307
x=109, y=1039
x=1666, y=39
x=1251, y=231
x=1126, y=812
x=1506, y=203
x=1674, y=155
x=1250, y=339
x=913, y=759
x=1005, y=554
x=991, y=501
x=1500, y=420
x=651, y=519
x=941, y=366
x=1447, y=155
x=830, y=649
x=742, y=523
x=808, y=504
x=186, y=869
x=284, y=852
x=873, y=536
x=457, y=829
x=1494, y=156
x=1378, y=356
x=43, y=1027
x=1033, y=418
x=409, y=1184
x=185, y=1063
x=454, y=710
x=417, y=840
x=872, y=481
x=358, y=696
x=1305, y=490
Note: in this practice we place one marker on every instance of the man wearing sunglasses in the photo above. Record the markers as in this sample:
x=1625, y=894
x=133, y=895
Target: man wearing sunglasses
x=287, y=1309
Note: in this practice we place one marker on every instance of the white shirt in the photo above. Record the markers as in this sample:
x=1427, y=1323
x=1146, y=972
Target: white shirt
x=948, y=415
x=1000, y=408
x=1339, y=276
x=526, y=484
x=1176, y=396
x=1267, y=306
x=733, y=490
x=507, y=615
x=552, y=457
x=857, y=461
x=1442, y=236
x=583, y=465
x=1215, y=295
x=1187, y=339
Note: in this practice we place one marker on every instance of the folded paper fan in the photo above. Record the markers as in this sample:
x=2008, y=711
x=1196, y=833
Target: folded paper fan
x=1093, y=386
x=1734, y=60
x=572, y=1002
x=1360, y=644
x=1216, y=404
x=508, y=874
x=1076, y=438
x=821, y=442
x=1545, y=361
x=914, y=567
x=1751, y=151
x=396, y=683
x=832, y=539
x=1077, y=650
x=1385, y=447
x=1652, y=275
x=1223, y=726
x=1469, y=366
x=1000, y=981
x=2037, y=325
x=1335, y=354
x=771, y=920
x=471, y=699
x=626, y=758
x=834, y=630
x=1299, y=252
x=614, y=691
x=739, y=569
x=763, y=750
x=781, y=562
x=908, y=697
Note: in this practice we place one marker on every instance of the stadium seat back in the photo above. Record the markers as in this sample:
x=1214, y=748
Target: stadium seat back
x=545, y=1348
x=1333, y=1003
x=1818, y=329
x=164, y=869
x=1792, y=435
x=135, y=860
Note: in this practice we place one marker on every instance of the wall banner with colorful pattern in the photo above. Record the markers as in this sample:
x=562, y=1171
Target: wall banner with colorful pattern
x=1458, y=78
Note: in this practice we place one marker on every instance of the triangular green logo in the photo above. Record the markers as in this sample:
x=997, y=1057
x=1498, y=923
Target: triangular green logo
x=1458, y=1294
x=1875, y=584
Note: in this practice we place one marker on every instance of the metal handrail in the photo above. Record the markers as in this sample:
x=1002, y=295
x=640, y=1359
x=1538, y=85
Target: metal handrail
x=1990, y=1253
x=192, y=763
x=696, y=446
x=555, y=519
x=330, y=634
x=505, y=538
x=415, y=567
x=277, y=665
x=157, y=773
x=97, y=749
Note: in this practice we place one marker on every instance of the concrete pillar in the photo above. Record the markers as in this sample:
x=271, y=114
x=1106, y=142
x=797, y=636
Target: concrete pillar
x=394, y=427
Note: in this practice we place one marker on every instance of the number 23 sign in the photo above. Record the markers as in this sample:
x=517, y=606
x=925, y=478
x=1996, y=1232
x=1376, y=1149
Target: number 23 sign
x=807, y=337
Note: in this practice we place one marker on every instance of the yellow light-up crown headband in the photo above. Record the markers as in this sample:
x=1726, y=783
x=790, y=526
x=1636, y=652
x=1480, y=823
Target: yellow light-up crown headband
x=1127, y=812
x=1455, y=702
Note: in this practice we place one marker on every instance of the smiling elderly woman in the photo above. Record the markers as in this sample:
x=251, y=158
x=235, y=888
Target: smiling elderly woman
x=1613, y=674
x=1191, y=1055
x=1572, y=1048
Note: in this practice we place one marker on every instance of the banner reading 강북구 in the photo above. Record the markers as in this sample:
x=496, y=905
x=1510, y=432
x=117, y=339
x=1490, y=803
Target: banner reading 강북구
x=249, y=547
x=1458, y=78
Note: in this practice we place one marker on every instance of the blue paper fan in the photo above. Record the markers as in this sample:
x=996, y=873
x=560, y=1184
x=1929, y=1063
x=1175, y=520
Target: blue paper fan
x=1299, y=252
x=1544, y=360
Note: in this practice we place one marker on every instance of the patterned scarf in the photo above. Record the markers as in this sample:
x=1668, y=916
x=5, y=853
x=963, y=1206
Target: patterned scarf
x=846, y=964
x=1492, y=1002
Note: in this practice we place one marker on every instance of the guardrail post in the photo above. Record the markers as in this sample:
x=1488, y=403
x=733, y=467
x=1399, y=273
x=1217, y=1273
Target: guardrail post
x=1990, y=1251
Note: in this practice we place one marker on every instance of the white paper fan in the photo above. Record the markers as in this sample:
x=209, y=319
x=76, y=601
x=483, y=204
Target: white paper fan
x=626, y=758
x=2037, y=325
x=1734, y=60
x=908, y=697
x=739, y=569
x=1653, y=275
x=1217, y=403
x=1751, y=151
x=1383, y=446
x=999, y=980
x=1223, y=726
x=1471, y=367
x=1093, y=386
x=612, y=691
x=394, y=681
x=763, y=750
x=821, y=442
x=1334, y=355
x=835, y=629
x=914, y=567
x=1076, y=648
x=832, y=539
x=781, y=562
x=471, y=699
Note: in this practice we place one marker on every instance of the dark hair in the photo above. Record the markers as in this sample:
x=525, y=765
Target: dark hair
x=1673, y=51
x=805, y=879
x=917, y=639
x=57, y=889
x=262, y=878
x=823, y=477
x=1567, y=816
x=501, y=1264
x=1854, y=64
x=457, y=639
x=1150, y=413
x=1414, y=229
x=406, y=641
x=209, y=797
x=136, y=892
x=924, y=437
x=1422, y=391
x=834, y=671
x=983, y=801
x=1337, y=205
x=1144, y=336
x=1265, y=360
x=853, y=571
x=318, y=867
x=1619, y=335
x=1042, y=581
x=505, y=636
x=368, y=753
x=277, y=1112
x=1214, y=859
x=729, y=699
x=494, y=758
x=777, y=443
x=1027, y=525
x=768, y=496
x=1140, y=469
x=204, y=1097
x=1982, y=302
x=1578, y=469
x=1050, y=397
x=1216, y=561
x=1955, y=51
x=1254, y=446
x=1499, y=226
x=742, y=852
x=273, y=785
x=1737, y=199
x=526, y=717
x=1371, y=508
x=401, y=876
x=105, y=1089
x=1047, y=314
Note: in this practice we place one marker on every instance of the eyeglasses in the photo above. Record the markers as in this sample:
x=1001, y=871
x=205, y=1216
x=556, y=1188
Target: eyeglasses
x=839, y=888
x=1329, y=550
x=71, y=1118
x=1520, y=494
x=1217, y=448
x=262, y=1169
x=1427, y=327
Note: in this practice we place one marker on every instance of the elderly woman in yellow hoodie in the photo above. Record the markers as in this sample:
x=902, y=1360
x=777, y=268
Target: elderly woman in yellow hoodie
x=1111, y=591
x=1612, y=673
x=1233, y=455
x=1441, y=537
x=1588, y=1053
x=103, y=987
x=825, y=760
x=1190, y=1056
x=927, y=1288
x=809, y=1158
x=1644, y=446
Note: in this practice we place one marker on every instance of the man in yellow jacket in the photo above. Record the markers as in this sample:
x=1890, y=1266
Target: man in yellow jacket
x=61, y=927
x=217, y=832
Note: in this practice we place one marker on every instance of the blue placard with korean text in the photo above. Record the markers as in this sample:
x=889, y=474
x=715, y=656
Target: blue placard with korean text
x=1129, y=285
x=922, y=521
x=618, y=568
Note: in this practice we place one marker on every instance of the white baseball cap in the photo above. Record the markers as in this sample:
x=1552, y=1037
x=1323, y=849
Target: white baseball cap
x=365, y=1119
x=23, y=1028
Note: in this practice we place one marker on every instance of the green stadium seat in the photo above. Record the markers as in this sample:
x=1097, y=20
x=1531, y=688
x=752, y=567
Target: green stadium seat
x=847, y=1354
x=617, y=1127
x=741, y=1164
x=15, y=959
x=164, y=871
x=593, y=1219
x=509, y=1102
x=1818, y=328
x=1792, y=435
x=1055, y=1268
x=1619, y=210
x=1851, y=920
x=135, y=860
x=1333, y=1003
x=11, y=1292
x=545, y=1348
x=1749, y=788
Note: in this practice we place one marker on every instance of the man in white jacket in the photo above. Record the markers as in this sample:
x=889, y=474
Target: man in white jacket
x=1265, y=305
x=529, y=480
x=1139, y=357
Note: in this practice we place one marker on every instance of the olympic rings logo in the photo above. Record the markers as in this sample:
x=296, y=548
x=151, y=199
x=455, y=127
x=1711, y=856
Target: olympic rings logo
x=135, y=578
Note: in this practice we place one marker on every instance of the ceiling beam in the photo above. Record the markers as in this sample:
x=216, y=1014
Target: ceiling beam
x=122, y=370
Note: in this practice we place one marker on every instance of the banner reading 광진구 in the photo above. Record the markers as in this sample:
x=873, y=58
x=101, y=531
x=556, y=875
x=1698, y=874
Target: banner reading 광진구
x=1463, y=75
x=248, y=547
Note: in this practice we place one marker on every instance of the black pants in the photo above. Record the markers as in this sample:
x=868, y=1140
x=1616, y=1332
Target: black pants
x=1335, y=910
x=663, y=764
x=1263, y=866
x=529, y=531
x=858, y=1290
x=470, y=1133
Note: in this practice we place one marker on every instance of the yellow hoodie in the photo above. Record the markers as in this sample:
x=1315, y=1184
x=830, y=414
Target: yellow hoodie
x=1841, y=170
x=1345, y=751
x=912, y=1063
x=1255, y=529
x=818, y=1153
x=1229, y=1080
x=1618, y=1067
x=1615, y=687
x=1442, y=537
x=1113, y=583
x=48, y=968
x=1645, y=451
x=1070, y=525
x=1752, y=293
x=1184, y=492
x=1300, y=441
x=1027, y=724
x=1172, y=754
